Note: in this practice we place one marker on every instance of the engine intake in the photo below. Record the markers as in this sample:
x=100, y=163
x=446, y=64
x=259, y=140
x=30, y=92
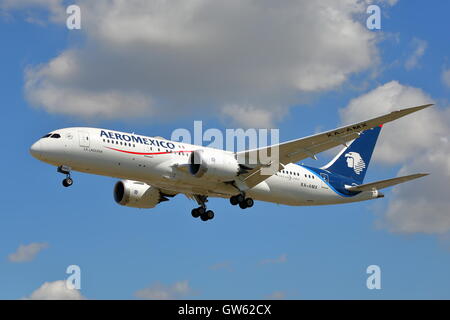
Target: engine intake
x=137, y=194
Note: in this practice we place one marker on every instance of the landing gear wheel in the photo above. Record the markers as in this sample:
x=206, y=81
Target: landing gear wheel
x=249, y=202
x=195, y=213
x=240, y=198
x=199, y=212
x=234, y=200
x=208, y=215
x=202, y=211
x=67, y=182
x=243, y=205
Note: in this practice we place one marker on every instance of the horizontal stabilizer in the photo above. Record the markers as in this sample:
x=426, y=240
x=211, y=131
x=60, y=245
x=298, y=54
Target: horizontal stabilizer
x=378, y=185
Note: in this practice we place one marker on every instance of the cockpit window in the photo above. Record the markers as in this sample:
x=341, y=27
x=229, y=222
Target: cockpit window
x=56, y=136
x=47, y=135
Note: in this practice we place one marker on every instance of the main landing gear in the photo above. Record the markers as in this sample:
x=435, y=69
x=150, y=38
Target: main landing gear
x=202, y=211
x=67, y=182
x=204, y=214
x=242, y=201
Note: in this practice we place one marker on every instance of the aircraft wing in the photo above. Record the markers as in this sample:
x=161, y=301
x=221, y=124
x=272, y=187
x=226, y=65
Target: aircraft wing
x=385, y=183
x=299, y=149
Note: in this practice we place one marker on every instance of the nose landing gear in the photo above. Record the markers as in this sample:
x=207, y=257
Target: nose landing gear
x=67, y=182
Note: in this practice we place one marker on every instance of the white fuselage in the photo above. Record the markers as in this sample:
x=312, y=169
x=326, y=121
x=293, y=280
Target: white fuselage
x=159, y=163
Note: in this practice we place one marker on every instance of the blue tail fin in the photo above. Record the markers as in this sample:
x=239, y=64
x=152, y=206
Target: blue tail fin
x=354, y=160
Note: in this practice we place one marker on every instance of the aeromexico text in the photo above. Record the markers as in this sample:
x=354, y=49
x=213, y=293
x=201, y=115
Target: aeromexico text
x=136, y=139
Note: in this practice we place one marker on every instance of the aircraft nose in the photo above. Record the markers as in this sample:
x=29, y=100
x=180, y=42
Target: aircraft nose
x=36, y=149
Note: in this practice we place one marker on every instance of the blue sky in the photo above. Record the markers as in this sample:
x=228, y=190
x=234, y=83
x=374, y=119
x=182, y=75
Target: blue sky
x=310, y=253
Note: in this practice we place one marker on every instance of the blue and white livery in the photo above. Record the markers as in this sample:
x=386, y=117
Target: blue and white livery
x=152, y=169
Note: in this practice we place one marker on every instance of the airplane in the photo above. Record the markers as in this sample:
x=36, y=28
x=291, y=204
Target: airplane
x=153, y=170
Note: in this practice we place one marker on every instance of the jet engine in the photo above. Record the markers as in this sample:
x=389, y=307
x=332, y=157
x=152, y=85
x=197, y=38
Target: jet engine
x=137, y=194
x=219, y=166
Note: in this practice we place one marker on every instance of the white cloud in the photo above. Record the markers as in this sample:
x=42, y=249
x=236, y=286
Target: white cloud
x=423, y=206
x=405, y=137
x=159, y=291
x=56, y=290
x=420, y=46
x=419, y=143
x=246, y=60
x=281, y=259
x=446, y=78
x=27, y=253
x=252, y=117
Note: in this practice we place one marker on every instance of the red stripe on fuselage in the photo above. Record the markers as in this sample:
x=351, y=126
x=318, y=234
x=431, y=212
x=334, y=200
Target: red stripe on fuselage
x=144, y=153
